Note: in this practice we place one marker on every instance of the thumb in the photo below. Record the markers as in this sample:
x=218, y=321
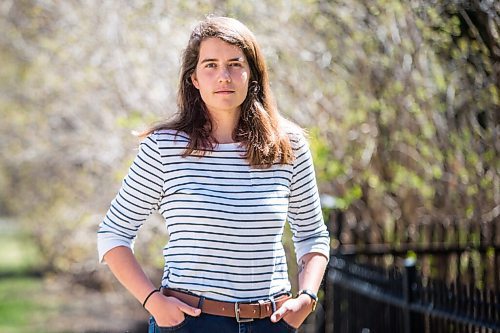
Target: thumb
x=280, y=313
x=187, y=309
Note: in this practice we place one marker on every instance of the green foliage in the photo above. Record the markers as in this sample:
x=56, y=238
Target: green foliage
x=403, y=142
x=19, y=254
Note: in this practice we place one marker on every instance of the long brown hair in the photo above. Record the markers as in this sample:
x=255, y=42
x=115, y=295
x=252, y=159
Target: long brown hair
x=260, y=125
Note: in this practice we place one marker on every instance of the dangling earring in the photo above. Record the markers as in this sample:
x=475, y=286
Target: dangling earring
x=254, y=88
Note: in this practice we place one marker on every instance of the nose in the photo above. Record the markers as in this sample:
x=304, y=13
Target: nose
x=224, y=74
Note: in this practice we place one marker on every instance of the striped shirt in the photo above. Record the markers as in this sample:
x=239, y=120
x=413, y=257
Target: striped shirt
x=225, y=218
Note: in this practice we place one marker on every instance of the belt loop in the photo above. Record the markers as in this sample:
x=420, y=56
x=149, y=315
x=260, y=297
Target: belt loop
x=273, y=303
x=200, y=303
x=262, y=305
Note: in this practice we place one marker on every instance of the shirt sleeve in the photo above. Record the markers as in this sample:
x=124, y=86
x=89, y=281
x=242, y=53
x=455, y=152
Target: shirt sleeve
x=137, y=198
x=304, y=213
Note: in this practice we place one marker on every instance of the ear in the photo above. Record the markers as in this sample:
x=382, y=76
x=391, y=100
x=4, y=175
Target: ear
x=195, y=81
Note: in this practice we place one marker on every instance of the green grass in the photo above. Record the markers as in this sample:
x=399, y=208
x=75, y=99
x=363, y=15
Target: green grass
x=21, y=299
x=19, y=309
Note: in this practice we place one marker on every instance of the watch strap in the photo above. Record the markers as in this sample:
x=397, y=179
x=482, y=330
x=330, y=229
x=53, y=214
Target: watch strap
x=311, y=294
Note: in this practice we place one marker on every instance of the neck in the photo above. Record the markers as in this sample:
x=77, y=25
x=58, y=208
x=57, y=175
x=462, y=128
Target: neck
x=224, y=125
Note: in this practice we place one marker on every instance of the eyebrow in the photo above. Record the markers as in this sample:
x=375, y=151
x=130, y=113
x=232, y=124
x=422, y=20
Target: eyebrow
x=241, y=59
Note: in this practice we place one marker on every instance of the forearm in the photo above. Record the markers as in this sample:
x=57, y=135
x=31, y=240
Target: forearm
x=127, y=270
x=311, y=269
x=312, y=266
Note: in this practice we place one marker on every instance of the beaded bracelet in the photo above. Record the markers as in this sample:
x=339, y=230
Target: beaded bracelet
x=149, y=295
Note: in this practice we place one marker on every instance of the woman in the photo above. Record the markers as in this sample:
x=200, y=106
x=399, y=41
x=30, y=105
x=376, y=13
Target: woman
x=225, y=174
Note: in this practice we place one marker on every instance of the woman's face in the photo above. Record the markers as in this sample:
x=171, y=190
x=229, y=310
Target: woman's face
x=221, y=75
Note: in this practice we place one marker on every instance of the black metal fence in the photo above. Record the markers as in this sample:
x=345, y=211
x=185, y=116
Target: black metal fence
x=448, y=285
x=370, y=299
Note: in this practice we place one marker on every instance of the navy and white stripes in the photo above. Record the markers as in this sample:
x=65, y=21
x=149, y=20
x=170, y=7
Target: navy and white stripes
x=224, y=218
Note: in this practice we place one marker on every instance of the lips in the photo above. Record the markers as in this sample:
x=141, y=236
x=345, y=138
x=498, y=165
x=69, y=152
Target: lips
x=224, y=91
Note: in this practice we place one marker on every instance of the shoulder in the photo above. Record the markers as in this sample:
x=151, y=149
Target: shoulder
x=164, y=142
x=169, y=138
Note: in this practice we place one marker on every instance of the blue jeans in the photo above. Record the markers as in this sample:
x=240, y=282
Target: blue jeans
x=206, y=323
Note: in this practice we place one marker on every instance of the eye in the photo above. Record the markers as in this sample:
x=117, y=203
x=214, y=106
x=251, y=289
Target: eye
x=210, y=65
x=235, y=64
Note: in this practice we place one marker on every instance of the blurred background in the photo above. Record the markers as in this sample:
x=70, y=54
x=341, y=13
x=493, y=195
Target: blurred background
x=400, y=99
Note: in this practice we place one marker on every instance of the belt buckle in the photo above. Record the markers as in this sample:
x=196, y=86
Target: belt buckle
x=237, y=314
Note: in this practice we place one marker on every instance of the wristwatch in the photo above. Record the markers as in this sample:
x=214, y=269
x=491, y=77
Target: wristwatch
x=311, y=294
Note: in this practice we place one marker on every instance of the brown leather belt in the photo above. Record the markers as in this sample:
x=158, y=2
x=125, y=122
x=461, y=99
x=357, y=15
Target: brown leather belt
x=241, y=311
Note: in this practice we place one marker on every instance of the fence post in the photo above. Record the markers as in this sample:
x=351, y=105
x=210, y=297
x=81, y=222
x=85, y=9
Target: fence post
x=409, y=282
